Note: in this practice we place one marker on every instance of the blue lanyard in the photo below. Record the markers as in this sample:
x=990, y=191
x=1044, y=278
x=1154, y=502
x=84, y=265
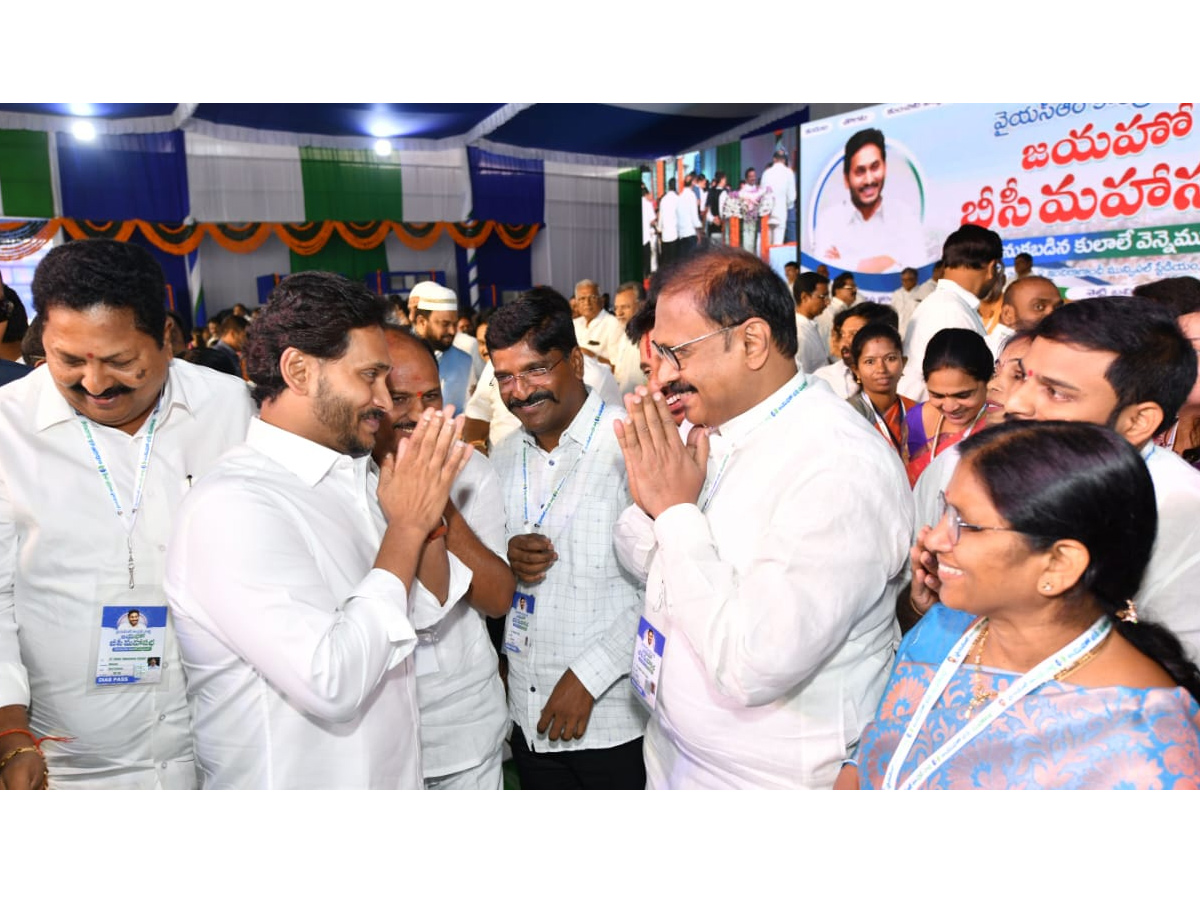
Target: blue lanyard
x=129, y=522
x=554, y=494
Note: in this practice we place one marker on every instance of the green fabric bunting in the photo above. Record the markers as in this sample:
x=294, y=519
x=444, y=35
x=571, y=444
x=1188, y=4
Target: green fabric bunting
x=25, y=186
x=629, y=225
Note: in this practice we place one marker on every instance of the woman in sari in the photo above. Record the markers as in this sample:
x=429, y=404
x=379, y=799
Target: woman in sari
x=877, y=361
x=1036, y=670
x=957, y=368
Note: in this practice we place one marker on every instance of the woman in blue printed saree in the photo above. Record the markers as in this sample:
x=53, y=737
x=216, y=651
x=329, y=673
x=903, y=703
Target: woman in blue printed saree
x=1036, y=669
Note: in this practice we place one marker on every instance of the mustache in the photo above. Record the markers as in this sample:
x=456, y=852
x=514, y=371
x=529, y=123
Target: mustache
x=375, y=414
x=671, y=388
x=115, y=391
x=535, y=397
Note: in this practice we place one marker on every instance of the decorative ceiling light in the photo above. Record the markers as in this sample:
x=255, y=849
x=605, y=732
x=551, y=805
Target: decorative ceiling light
x=383, y=147
x=84, y=130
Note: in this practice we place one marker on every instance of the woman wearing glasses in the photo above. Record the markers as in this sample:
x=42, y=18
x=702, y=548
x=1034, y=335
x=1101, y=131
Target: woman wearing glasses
x=1036, y=670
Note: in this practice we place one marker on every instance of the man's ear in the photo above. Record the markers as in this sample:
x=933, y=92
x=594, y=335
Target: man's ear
x=756, y=341
x=1137, y=422
x=1008, y=315
x=299, y=371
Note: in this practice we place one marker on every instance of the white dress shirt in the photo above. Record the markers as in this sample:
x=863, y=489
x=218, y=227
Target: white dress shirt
x=487, y=405
x=601, y=335
x=586, y=609
x=825, y=324
x=779, y=621
x=463, y=713
x=627, y=366
x=813, y=353
x=782, y=182
x=687, y=215
x=839, y=378
x=924, y=289
x=668, y=224
x=298, y=653
x=894, y=230
x=997, y=337
x=62, y=546
x=905, y=303
x=648, y=215
x=950, y=306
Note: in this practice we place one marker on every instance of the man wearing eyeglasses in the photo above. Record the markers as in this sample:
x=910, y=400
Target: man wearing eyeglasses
x=574, y=616
x=596, y=329
x=974, y=259
x=779, y=541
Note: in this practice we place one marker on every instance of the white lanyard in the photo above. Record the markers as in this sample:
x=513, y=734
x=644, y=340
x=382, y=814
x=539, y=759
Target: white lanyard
x=554, y=494
x=129, y=522
x=880, y=423
x=933, y=450
x=716, y=482
x=1043, y=672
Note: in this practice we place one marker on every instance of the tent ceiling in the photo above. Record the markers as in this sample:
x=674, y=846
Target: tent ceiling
x=617, y=132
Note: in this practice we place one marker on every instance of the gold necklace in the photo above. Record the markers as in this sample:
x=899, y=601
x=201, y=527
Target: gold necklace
x=979, y=694
x=1083, y=660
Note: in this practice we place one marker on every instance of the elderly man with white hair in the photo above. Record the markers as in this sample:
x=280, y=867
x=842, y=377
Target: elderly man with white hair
x=435, y=321
x=596, y=329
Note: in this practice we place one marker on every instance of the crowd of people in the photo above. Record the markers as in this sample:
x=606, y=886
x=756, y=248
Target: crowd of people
x=741, y=532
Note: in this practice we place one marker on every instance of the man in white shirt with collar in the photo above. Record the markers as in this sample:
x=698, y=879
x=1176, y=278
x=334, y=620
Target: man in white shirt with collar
x=627, y=369
x=435, y=321
x=812, y=297
x=295, y=627
x=1121, y=362
x=863, y=234
x=781, y=181
x=99, y=447
x=905, y=299
x=668, y=224
x=974, y=260
x=596, y=329
x=778, y=626
x=574, y=616
x=464, y=717
x=687, y=220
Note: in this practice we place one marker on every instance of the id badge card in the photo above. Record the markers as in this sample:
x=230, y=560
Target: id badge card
x=131, y=645
x=520, y=623
x=647, y=663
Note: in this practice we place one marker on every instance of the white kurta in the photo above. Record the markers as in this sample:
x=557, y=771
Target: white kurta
x=463, y=711
x=601, y=336
x=950, y=306
x=813, y=353
x=298, y=652
x=60, y=545
x=777, y=603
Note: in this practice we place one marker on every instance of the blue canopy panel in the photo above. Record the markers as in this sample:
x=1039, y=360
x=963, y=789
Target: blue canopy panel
x=431, y=121
x=602, y=130
x=799, y=117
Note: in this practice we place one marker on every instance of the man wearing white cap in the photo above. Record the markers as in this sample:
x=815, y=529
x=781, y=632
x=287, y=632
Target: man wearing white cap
x=435, y=321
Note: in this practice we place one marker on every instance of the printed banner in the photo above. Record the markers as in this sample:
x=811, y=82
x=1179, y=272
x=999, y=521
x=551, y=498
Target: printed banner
x=1103, y=196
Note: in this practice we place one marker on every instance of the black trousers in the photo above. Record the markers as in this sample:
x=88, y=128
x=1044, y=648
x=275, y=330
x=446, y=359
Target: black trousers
x=619, y=768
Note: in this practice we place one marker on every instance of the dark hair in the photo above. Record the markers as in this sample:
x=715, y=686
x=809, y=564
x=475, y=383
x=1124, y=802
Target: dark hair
x=83, y=274
x=1155, y=362
x=1180, y=295
x=635, y=286
x=873, y=331
x=869, y=311
x=209, y=358
x=719, y=175
x=313, y=312
x=840, y=281
x=1024, y=256
x=233, y=324
x=860, y=139
x=32, y=350
x=807, y=283
x=640, y=323
x=748, y=171
x=972, y=247
x=1072, y=480
x=12, y=310
x=958, y=348
x=670, y=184
x=540, y=315
x=908, y=269
x=791, y=264
x=729, y=286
